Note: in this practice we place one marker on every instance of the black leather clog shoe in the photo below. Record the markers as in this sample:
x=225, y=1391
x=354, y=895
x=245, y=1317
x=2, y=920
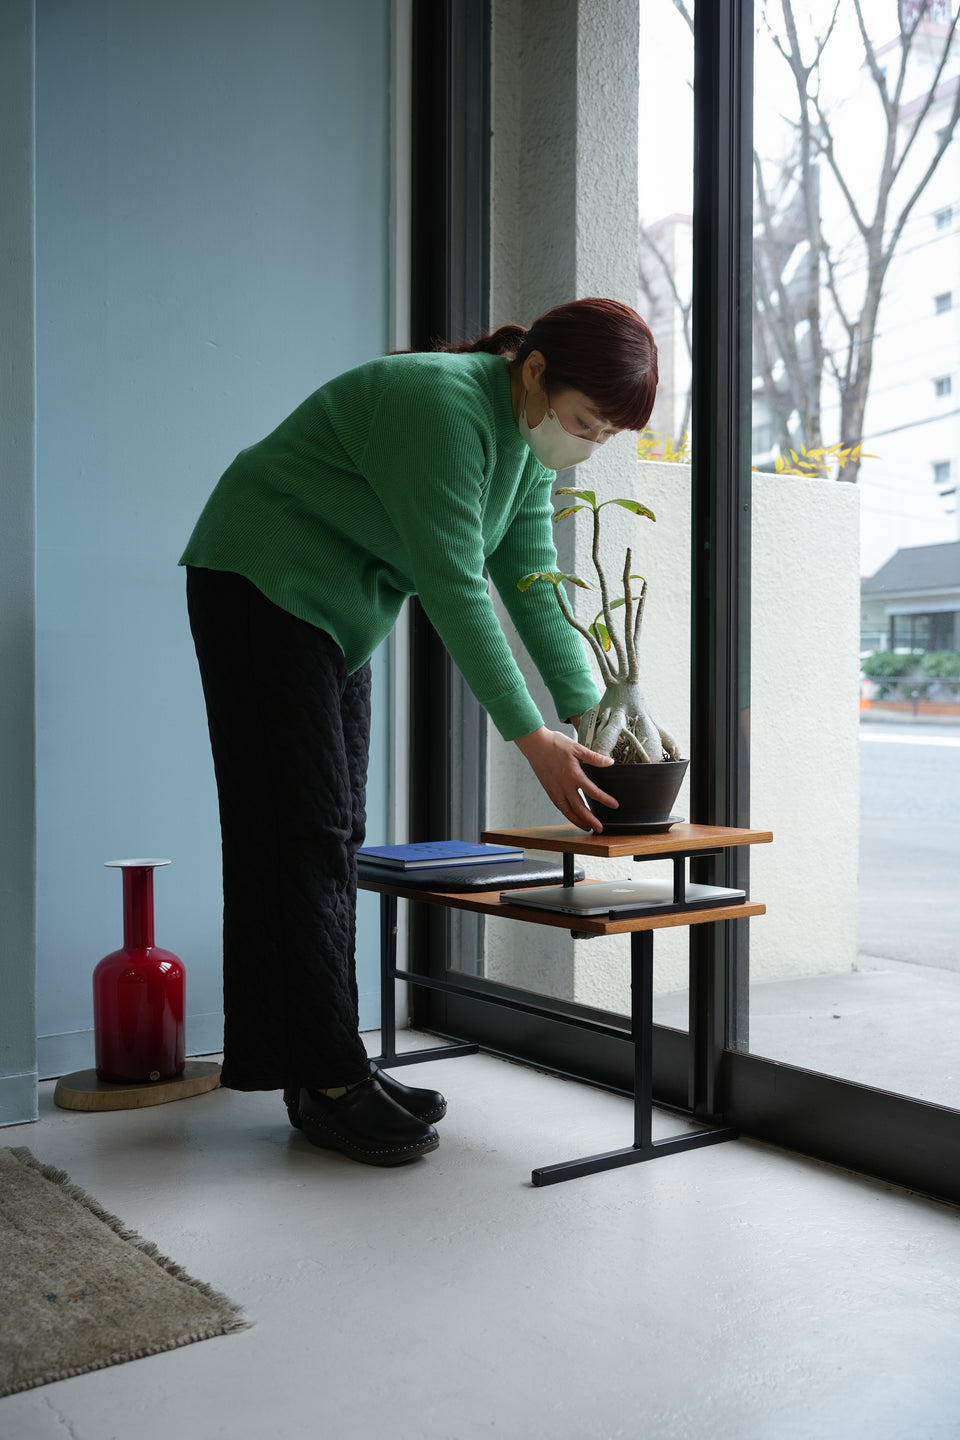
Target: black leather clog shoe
x=427, y=1105
x=366, y=1125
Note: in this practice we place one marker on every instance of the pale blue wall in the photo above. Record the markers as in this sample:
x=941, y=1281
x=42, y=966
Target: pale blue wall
x=18, y=1062
x=212, y=193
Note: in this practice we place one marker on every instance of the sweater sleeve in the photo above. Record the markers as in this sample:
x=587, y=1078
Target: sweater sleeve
x=426, y=464
x=555, y=648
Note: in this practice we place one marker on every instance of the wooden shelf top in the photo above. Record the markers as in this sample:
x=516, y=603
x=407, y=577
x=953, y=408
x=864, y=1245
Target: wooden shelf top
x=567, y=839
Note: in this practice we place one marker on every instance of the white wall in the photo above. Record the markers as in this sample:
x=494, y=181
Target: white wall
x=805, y=725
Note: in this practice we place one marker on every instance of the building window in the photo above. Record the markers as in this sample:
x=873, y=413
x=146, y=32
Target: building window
x=944, y=217
x=943, y=385
x=941, y=473
x=943, y=302
x=922, y=632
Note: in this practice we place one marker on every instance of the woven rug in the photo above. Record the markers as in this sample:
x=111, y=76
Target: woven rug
x=79, y=1291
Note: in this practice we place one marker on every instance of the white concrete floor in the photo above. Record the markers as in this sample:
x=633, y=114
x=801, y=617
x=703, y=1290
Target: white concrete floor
x=737, y=1291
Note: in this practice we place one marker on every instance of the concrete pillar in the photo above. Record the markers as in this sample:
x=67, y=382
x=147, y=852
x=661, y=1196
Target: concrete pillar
x=564, y=182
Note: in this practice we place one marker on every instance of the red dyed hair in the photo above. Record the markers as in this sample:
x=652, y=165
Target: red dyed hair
x=600, y=347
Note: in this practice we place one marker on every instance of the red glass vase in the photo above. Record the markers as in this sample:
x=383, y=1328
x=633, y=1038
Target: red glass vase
x=138, y=992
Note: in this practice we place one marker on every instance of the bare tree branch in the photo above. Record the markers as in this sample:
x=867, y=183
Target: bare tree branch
x=685, y=308
x=687, y=14
x=850, y=365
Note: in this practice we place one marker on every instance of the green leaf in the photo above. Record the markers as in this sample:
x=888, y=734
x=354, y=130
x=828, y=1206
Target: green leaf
x=602, y=633
x=632, y=505
x=570, y=510
x=553, y=577
x=529, y=580
x=588, y=495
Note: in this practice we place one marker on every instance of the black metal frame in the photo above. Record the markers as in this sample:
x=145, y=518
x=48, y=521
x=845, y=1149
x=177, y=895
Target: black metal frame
x=721, y=474
x=450, y=282
x=893, y=1137
x=449, y=299
x=639, y=1036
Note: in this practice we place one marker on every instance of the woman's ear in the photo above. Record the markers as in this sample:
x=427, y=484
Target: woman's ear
x=532, y=371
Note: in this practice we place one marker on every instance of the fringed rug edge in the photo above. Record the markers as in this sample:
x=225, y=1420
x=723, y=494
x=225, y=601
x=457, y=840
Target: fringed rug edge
x=25, y=1157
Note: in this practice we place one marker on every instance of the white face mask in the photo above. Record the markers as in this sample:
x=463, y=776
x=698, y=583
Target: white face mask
x=553, y=446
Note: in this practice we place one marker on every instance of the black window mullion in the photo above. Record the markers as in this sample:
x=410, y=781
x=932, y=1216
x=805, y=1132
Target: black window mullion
x=449, y=300
x=721, y=445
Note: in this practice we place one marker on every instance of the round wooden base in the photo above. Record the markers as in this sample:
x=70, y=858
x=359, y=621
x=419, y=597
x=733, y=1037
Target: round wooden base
x=83, y=1091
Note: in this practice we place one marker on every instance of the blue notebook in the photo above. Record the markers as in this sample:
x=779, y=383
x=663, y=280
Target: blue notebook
x=436, y=854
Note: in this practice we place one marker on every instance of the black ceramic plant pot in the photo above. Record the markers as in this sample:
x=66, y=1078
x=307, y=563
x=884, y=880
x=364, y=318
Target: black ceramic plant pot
x=646, y=794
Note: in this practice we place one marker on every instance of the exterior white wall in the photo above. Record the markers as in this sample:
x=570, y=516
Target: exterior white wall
x=805, y=718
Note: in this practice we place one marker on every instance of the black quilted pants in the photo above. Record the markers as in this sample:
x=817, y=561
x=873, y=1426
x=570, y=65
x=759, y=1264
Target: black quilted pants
x=290, y=731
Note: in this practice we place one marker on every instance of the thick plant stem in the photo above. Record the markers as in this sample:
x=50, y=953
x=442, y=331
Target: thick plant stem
x=603, y=664
x=619, y=725
x=633, y=668
x=638, y=622
x=605, y=597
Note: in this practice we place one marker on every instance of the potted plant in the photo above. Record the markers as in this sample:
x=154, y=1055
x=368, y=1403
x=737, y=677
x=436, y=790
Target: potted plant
x=648, y=770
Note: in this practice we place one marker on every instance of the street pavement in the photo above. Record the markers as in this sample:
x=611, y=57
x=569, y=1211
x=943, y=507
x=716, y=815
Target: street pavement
x=910, y=843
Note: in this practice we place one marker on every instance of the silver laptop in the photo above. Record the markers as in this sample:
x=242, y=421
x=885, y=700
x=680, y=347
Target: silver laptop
x=620, y=897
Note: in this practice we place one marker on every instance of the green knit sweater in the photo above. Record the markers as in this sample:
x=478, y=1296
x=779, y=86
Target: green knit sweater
x=407, y=475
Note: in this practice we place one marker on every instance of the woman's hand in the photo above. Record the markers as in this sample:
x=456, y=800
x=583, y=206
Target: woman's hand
x=556, y=760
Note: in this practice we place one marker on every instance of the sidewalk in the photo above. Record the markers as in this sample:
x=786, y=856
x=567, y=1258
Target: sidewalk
x=900, y=712
x=887, y=1024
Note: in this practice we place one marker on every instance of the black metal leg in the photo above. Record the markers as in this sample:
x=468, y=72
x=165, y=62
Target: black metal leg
x=644, y=1147
x=388, y=964
x=389, y=974
x=641, y=990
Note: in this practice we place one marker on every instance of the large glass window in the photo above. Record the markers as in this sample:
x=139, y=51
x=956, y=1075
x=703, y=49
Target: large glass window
x=839, y=713
x=855, y=970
